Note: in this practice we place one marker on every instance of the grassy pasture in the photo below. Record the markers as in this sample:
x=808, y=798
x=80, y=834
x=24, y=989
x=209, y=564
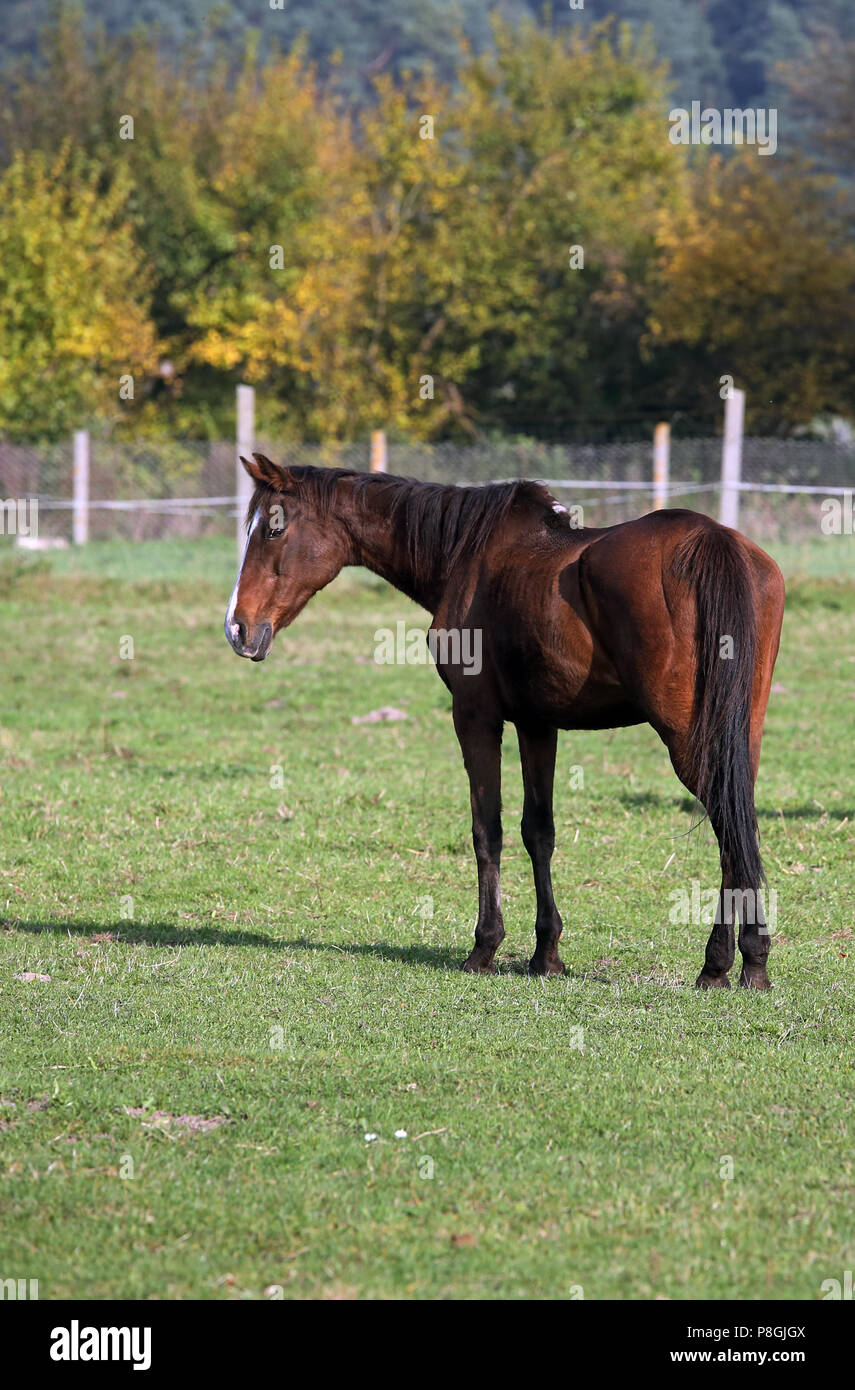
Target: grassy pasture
x=249, y=971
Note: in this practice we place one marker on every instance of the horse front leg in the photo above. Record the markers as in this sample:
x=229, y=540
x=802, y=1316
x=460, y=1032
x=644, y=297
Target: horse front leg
x=537, y=755
x=481, y=745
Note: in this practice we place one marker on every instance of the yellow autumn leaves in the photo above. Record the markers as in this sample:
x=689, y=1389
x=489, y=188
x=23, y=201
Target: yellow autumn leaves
x=522, y=251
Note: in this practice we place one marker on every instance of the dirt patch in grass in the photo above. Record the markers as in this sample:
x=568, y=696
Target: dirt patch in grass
x=186, y=1124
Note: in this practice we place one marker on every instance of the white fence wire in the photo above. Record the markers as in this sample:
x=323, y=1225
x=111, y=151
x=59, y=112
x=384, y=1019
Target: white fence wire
x=161, y=488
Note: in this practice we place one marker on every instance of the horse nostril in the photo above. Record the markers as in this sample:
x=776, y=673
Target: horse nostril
x=241, y=633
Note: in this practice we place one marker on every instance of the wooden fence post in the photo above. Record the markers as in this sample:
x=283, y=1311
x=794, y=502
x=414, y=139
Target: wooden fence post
x=661, y=465
x=378, y=451
x=731, y=458
x=80, y=510
x=245, y=445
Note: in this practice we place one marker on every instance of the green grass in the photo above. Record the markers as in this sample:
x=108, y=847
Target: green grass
x=336, y=909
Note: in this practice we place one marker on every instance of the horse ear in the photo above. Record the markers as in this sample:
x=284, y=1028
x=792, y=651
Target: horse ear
x=270, y=472
x=262, y=470
x=252, y=469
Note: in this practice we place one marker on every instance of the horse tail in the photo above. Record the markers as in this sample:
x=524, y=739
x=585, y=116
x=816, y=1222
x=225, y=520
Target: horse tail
x=712, y=561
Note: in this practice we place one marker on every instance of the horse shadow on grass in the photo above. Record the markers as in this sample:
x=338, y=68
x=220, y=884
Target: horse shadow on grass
x=673, y=800
x=447, y=959
x=151, y=934
x=169, y=934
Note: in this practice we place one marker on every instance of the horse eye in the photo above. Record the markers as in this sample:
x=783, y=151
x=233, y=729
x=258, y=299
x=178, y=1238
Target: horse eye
x=274, y=533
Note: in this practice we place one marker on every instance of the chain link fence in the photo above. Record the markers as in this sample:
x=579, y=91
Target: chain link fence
x=158, y=488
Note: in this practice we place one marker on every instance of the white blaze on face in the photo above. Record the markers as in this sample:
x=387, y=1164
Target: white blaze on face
x=231, y=625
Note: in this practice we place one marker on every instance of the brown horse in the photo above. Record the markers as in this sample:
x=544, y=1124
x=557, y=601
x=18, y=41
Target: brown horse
x=670, y=619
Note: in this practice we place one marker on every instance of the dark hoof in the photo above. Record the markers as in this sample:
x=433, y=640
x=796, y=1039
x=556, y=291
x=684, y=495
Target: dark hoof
x=477, y=965
x=546, y=967
x=755, y=978
x=705, y=981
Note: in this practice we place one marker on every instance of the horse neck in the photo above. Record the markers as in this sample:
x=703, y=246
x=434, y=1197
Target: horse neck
x=381, y=545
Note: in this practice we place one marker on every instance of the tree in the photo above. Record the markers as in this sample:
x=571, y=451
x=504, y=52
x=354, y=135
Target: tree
x=821, y=93
x=562, y=146
x=757, y=280
x=73, y=296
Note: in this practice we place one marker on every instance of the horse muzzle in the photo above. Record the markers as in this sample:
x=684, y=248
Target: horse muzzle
x=248, y=639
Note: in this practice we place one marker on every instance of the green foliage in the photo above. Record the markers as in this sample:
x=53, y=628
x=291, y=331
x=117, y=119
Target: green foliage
x=265, y=224
x=723, y=51
x=73, y=312
x=820, y=93
x=756, y=281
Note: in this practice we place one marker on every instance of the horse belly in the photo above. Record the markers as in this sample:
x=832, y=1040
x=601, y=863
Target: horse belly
x=567, y=699
x=601, y=715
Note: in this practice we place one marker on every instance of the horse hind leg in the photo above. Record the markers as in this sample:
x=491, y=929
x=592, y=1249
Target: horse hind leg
x=720, y=949
x=735, y=898
x=755, y=934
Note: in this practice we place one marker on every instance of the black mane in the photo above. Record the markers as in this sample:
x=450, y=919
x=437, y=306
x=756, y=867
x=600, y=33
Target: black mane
x=442, y=522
